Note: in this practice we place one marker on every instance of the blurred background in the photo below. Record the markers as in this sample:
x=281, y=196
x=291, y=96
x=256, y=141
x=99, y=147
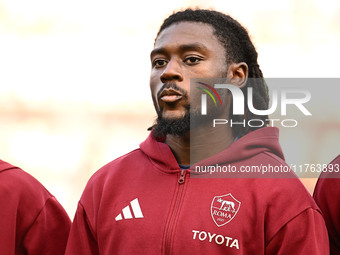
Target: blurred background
x=74, y=78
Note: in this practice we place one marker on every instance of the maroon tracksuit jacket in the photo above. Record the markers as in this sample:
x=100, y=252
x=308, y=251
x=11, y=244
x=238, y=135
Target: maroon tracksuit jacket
x=327, y=196
x=143, y=203
x=32, y=222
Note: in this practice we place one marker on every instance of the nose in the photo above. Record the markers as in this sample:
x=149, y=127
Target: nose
x=172, y=72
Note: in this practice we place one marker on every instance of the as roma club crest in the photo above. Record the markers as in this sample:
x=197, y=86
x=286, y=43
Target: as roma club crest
x=224, y=209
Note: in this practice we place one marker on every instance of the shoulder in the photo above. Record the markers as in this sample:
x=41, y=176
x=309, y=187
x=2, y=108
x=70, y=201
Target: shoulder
x=291, y=237
x=286, y=201
x=117, y=173
x=327, y=186
x=330, y=175
x=17, y=182
x=126, y=162
x=326, y=195
x=23, y=195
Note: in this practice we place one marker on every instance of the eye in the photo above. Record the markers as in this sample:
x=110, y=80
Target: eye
x=192, y=60
x=159, y=63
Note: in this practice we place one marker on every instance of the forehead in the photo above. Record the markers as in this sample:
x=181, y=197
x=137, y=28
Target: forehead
x=187, y=32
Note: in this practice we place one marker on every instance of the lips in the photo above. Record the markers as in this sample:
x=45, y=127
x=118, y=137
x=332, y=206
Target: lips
x=170, y=95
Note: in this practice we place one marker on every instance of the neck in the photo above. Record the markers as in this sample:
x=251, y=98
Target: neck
x=201, y=143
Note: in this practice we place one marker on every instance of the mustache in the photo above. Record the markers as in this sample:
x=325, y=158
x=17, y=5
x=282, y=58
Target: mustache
x=172, y=85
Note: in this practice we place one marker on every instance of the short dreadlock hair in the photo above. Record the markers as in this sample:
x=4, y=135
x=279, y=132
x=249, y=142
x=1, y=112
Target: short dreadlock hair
x=239, y=48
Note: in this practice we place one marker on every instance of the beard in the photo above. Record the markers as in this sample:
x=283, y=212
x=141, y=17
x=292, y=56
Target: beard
x=174, y=126
x=177, y=126
x=191, y=119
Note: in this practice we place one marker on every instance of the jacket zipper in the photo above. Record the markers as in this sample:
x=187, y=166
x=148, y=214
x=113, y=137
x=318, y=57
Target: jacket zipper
x=174, y=213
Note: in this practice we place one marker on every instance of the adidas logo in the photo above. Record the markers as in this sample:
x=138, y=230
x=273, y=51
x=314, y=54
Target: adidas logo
x=127, y=212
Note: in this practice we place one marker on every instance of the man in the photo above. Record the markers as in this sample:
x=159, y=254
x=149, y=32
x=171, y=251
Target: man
x=326, y=195
x=31, y=219
x=149, y=202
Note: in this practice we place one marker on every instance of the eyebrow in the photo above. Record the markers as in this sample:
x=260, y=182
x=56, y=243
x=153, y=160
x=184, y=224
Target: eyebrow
x=182, y=48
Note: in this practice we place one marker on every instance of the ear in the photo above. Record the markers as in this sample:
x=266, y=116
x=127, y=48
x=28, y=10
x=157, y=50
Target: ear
x=238, y=74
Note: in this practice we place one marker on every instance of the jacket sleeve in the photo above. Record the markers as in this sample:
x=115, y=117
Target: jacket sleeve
x=326, y=195
x=304, y=234
x=81, y=239
x=49, y=232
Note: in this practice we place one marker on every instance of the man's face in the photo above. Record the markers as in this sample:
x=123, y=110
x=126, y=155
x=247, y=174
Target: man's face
x=183, y=51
